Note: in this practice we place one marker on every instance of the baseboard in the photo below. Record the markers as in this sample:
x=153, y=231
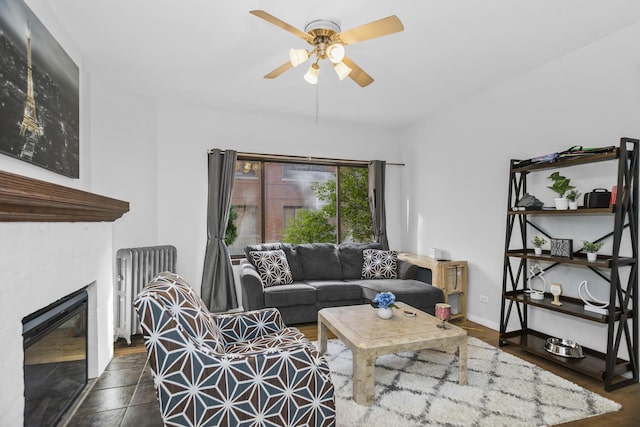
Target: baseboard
x=484, y=322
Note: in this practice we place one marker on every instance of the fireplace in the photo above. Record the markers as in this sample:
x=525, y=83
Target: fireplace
x=58, y=240
x=55, y=358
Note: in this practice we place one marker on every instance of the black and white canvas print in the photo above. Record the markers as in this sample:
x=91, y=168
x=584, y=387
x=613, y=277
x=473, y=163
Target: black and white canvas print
x=39, y=93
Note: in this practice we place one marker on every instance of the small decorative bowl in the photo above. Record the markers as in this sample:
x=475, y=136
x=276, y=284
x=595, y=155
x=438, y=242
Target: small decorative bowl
x=564, y=348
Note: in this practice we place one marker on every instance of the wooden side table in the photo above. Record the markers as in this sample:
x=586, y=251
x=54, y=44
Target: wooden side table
x=450, y=276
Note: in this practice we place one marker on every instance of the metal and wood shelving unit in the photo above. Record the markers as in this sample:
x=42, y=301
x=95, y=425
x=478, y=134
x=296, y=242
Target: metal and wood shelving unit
x=621, y=318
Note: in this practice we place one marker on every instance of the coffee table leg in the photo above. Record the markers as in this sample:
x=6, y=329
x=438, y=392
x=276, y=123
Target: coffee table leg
x=322, y=337
x=462, y=358
x=363, y=378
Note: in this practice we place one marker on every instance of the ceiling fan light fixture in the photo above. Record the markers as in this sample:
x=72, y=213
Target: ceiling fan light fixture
x=325, y=35
x=298, y=56
x=342, y=70
x=335, y=53
x=312, y=74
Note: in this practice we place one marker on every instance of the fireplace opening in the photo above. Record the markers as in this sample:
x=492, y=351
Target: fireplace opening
x=55, y=359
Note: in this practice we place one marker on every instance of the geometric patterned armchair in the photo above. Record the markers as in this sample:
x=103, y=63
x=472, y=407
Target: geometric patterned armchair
x=244, y=369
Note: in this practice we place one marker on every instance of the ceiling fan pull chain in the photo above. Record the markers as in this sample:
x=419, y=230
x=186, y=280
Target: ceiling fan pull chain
x=317, y=101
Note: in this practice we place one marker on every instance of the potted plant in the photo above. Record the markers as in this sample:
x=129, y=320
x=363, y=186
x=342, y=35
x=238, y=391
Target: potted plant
x=591, y=249
x=538, y=241
x=384, y=301
x=572, y=197
x=561, y=184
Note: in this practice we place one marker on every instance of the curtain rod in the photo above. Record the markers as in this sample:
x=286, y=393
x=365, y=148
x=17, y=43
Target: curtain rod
x=302, y=159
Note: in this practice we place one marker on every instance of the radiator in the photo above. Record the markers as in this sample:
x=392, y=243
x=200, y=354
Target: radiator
x=135, y=267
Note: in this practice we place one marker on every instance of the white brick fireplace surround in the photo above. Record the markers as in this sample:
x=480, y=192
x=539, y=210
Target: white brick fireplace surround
x=41, y=262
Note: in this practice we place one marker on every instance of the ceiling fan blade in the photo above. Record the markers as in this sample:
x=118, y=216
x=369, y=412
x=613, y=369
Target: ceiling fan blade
x=280, y=23
x=281, y=69
x=381, y=27
x=357, y=74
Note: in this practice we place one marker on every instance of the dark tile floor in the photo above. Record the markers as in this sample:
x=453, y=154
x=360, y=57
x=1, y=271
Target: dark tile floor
x=122, y=396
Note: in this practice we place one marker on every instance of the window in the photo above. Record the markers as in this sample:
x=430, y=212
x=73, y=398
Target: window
x=290, y=213
x=285, y=201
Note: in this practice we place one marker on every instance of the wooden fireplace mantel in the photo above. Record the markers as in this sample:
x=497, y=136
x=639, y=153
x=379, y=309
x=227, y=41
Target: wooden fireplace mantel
x=24, y=199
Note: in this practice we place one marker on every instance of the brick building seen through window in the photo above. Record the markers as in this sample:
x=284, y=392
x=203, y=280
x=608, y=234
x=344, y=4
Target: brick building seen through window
x=270, y=196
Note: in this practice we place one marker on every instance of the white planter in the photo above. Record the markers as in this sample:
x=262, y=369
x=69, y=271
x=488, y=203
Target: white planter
x=561, y=203
x=573, y=206
x=537, y=251
x=592, y=256
x=385, y=313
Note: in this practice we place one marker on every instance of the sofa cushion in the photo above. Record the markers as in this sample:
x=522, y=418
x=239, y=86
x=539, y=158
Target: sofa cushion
x=413, y=292
x=320, y=261
x=295, y=264
x=290, y=251
x=351, y=258
x=260, y=247
x=272, y=266
x=379, y=264
x=333, y=290
x=298, y=293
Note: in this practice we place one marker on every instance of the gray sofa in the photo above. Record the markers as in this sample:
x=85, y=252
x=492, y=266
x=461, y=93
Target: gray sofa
x=328, y=275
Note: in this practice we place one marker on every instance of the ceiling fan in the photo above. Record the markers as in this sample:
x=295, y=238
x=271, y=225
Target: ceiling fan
x=324, y=34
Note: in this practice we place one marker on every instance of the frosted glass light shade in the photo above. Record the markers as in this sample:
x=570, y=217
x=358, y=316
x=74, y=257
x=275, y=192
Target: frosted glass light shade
x=298, y=56
x=335, y=53
x=312, y=75
x=342, y=70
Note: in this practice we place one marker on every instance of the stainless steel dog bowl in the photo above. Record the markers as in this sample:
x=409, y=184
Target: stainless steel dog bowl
x=564, y=348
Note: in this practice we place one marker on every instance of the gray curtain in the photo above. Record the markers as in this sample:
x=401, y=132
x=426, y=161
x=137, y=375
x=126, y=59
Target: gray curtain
x=376, y=202
x=218, y=289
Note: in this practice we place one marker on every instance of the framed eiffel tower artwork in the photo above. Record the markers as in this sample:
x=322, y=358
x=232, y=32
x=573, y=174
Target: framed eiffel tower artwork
x=39, y=93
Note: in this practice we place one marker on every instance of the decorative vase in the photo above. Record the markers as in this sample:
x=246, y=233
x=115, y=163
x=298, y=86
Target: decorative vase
x=561, y=203
x=385, y=313
x=592, y=256
x=573, y=205
x=537, y=251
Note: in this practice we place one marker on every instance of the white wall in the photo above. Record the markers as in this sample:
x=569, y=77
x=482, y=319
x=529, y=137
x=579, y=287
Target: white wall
x=124, y=160
x=185, y=135
x=456, y=178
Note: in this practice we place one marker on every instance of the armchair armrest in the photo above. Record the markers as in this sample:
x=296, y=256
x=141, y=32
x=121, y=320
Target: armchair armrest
x=249, y=325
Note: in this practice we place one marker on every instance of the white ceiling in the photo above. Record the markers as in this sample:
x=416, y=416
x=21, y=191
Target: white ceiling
x=214, y=53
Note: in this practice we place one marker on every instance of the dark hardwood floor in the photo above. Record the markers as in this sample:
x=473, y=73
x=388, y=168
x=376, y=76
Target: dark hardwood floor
x=140, y=409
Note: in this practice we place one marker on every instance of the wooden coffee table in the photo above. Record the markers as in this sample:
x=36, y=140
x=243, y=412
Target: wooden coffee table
x=368, y=336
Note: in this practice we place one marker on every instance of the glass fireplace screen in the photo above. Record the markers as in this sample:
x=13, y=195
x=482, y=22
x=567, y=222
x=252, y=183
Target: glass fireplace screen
x=55, y=359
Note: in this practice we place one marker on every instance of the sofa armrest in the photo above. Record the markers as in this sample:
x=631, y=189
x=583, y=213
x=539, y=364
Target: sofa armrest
x=407, y=270
x=249, y=325
x=251, y=286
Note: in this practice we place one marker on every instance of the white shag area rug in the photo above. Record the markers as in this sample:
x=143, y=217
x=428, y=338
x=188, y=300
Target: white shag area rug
x=421, y=389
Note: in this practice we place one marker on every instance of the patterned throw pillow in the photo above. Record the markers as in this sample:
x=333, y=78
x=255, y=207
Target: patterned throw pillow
x=273, y=267
x=379, y=264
